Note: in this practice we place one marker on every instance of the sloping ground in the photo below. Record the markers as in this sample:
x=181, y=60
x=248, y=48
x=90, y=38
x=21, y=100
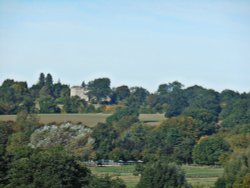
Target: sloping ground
x=90, y=119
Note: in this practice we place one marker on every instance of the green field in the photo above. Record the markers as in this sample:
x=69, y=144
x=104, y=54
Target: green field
x=205, y=176
x=152, y=119
x=202, y=175
x=90, y=119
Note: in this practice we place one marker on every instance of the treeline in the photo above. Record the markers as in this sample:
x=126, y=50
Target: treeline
x=203, y=127
x=172, y=99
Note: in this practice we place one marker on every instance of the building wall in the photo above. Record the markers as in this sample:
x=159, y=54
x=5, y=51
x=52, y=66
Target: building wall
x=80, y=92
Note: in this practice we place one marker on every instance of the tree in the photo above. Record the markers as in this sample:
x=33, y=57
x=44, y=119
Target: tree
x=5, y=132
x=164, y=89
x=41, y=81
x=48, y=105
x=14, y=96
x=204, y=120
x=83, y=84
x=122, y=92
x=162, y=174
x=137, y=97
x=49, y=80
x=236, y=112
x=51, y=168
x=74, y=105
x=105, y=136
x=176, y=102
x=209, y=151
x=121, y=113
x=173, y=139
x=131, y=143
x=236, y=171
x=99, y=89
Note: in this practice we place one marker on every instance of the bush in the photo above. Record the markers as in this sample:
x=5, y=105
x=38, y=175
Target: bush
x=161, y=175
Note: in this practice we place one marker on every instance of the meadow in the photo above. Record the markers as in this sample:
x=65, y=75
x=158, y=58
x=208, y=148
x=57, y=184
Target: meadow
x=90, y=119
x=202, y=176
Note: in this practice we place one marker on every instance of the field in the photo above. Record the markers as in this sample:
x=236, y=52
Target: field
x=90, y=119
x=152, y=119
x=204, y=176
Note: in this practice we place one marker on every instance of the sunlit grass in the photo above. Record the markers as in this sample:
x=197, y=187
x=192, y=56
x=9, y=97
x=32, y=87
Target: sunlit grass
x=205, y=176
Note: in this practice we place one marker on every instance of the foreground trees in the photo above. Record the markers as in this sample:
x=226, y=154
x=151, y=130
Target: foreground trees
x=237, y=172
x=162, y=174
x=55, y=169
x=52, y=168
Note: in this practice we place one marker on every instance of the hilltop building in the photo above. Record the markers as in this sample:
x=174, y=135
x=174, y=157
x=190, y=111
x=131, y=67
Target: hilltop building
x=79, y=91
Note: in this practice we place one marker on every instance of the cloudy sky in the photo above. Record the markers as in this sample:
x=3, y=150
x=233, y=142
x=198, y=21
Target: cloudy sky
x=133, y=42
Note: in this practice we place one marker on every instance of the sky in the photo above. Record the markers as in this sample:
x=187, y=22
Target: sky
x=133, y=42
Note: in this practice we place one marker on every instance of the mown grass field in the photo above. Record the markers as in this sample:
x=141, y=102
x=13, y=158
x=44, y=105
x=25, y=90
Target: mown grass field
x=204, y=176
x=90, y=119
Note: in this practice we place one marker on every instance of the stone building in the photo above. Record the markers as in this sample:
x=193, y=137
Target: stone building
x=79, y=91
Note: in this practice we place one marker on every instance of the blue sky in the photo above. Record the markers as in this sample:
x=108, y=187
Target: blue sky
x=133, y=42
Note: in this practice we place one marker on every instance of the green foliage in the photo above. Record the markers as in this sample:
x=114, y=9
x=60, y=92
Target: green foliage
x=121, y=93
x=236, y=112
x=14, y=96
x=74, y=105
x=201, y=98
x=174, y=140
x=121, y=113
x=139, y=168
x=18, y=141
x=227, y=96
x=162, y=174
x=99, y=89
x=51, y=168
x=26, y=122
x=204, y=120
x=104, y=135
x=48, y=105
x=61, y=91
x=5, y=132
x=209, y=151
x=130, y=143
x=41, y=81
x=106, y=182
x=237, y=171
x=172, y=99
x=137, y=97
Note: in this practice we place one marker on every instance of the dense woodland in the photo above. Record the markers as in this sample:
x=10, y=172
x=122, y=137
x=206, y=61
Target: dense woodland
x=203, y=127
